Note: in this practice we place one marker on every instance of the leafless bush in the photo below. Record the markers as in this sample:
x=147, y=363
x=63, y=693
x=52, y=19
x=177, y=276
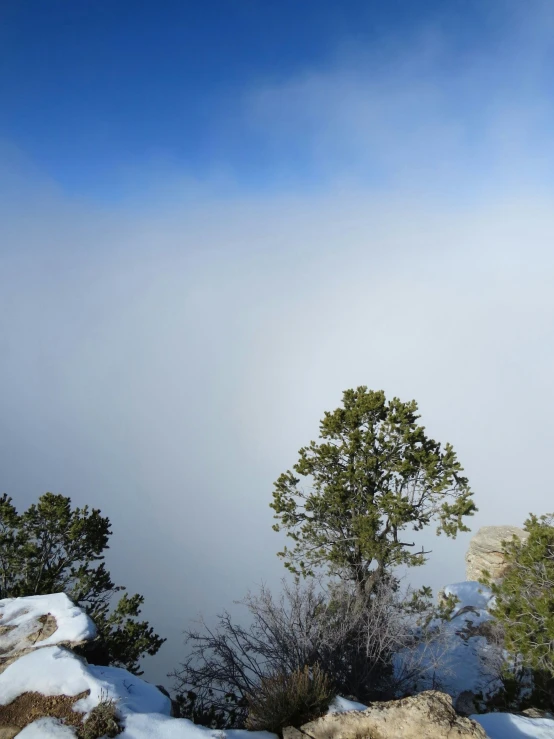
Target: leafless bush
x=352, y=637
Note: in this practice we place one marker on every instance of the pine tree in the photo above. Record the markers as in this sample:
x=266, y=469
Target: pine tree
x=51, y=548
x=524, y=603
x=375, y=474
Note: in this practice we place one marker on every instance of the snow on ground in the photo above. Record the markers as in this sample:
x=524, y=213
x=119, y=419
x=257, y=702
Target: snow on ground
x=144, y=710
x=510, y=726
x=457, y=661
x=156, y=726
x=57, y=671
x=342, y=705
x=46, y=728
x=73, y=625
x=472, y=662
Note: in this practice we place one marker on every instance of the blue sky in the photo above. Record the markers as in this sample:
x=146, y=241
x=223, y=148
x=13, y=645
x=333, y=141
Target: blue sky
x=100, y=95
x=217, y=216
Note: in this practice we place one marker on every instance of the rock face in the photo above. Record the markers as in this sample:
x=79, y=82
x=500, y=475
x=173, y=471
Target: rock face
x=485, y=551
x=429, y=715
x=465, y=703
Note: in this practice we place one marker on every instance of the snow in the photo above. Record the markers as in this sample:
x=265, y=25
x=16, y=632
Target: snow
x=23, y=613
x=342, y=705
x=510, y=726
x=464, y=662
x=132, y=693
x=46, y=728
x=243, y=734
x=50, y=671
x=157, y=726
x=470, y=593
x=145, y=711
x=57, y=671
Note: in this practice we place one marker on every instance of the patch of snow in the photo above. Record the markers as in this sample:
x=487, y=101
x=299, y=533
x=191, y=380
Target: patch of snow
x=157, y=726
x=57, y=671
x=457, y=661
x=132, y=693
x=50, y=671
x=145, y=711
x=342, y=705
x=73, y=623
x=470, y=593
x=510, y=726
x=46, y=728
x=243, y=734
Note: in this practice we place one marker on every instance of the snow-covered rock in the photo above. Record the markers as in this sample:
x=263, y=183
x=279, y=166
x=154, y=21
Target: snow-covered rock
x=35, y=622
x=57, y=671
x=36, y=636
x=144, y=710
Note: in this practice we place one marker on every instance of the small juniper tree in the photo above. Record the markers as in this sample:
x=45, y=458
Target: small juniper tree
x=52, y=548
x=374, y=474
x=524, y=607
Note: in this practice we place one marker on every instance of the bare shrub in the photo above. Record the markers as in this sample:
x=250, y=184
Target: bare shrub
x=102, y=721
x=351, y=636
x=289, y=699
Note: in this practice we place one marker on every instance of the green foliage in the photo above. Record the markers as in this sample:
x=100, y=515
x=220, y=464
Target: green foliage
x=375, y=474
x=289, y=699
x=524, y=604
x=127, y=639
x=421, y=605
x=51, y=548
x=12, y=541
